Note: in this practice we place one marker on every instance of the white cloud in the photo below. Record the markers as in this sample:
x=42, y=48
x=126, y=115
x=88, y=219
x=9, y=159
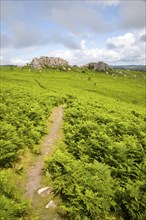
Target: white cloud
x=78, y=18
x=1, y=58
x=124, y=49
x=129, y=47
x=105, y=2
x=132, y=14
x=17, y=61
x=126, y=40
x=111, y=2
x=83, y=46
x=141, y=35
x=83, y=56
x=65, y=54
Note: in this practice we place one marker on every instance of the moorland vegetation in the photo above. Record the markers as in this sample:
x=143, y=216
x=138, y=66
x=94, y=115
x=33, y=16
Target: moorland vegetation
x=99, y=168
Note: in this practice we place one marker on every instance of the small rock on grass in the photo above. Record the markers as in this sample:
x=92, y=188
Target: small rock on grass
x=44, y=191
x=51, y=204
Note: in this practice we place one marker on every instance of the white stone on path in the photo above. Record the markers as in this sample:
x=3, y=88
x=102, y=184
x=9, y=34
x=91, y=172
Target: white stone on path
x=51, y=204
x=44, y=190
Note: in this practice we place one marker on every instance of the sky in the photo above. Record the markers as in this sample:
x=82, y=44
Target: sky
x=81, y=31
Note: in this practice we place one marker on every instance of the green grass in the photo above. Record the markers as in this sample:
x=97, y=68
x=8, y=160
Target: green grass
x=28, y=97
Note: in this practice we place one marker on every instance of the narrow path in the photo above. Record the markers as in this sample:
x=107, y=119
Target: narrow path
x=34, y=173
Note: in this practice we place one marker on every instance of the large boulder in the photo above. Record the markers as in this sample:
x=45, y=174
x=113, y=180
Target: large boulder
x=100, y=66
x=44, y=62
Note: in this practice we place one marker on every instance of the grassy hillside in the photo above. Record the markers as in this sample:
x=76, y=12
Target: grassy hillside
x=99, y=169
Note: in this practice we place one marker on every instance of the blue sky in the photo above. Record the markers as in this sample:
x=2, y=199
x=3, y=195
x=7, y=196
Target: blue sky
x=78, y=31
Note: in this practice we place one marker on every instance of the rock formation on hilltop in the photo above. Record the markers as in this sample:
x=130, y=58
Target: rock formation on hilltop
x=44, y=62
x=100, y=66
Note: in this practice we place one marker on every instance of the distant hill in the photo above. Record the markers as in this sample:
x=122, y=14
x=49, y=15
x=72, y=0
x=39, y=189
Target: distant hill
x=130, y=67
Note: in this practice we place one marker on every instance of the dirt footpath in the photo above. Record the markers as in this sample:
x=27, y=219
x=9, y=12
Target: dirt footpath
x=34, y=173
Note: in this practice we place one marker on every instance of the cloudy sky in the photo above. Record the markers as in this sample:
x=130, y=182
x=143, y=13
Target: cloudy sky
x=79, y=31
